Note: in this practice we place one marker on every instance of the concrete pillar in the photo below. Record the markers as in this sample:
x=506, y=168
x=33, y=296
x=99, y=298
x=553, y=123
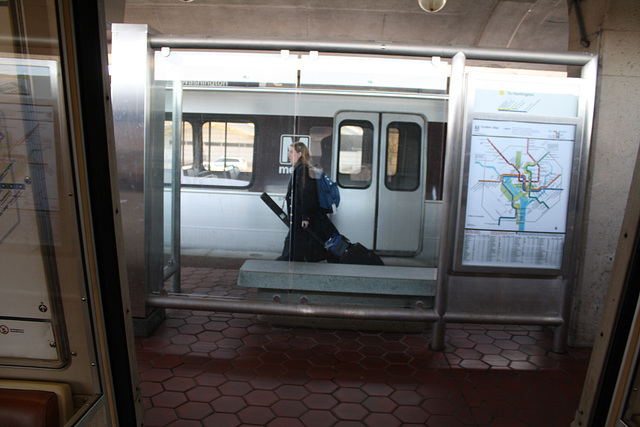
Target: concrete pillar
x=613, y=31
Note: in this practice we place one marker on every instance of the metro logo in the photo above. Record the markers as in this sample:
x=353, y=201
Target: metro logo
x=285, y=143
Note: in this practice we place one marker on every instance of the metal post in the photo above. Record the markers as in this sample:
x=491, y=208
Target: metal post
x=176, y=168
x=450, y=185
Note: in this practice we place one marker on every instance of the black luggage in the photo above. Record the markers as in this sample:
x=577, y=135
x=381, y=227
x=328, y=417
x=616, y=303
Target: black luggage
x=351, y=253
x=358, y=254
x=341, y=250
x=275, y=208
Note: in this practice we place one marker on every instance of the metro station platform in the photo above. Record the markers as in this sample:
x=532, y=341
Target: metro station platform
x=224, y=369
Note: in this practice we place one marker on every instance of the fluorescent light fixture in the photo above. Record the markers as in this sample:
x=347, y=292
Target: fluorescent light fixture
x=373, y=72
x=315, y=70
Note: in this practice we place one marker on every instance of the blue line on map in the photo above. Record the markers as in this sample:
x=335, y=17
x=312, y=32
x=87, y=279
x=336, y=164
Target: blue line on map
x=489, y=167
x=520, y=211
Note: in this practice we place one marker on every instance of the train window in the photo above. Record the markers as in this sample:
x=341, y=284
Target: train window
x=222, y=154
x=403, y=156
x=435, y=159
x=187, y=146
x=355, y=150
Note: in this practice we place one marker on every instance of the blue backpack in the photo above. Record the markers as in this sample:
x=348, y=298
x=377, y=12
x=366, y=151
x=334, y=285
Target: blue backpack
x=328, y=193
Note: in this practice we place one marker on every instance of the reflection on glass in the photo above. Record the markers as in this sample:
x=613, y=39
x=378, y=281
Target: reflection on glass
x=51, y=334
x=30, y=212
x=321, y=139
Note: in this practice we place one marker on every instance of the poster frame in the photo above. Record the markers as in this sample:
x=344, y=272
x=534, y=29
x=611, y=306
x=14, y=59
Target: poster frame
x=45, y=317
x=477, y=81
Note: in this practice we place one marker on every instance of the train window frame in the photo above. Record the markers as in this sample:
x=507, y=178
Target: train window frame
x=396, y=181
x=186, y=126
x=344, y=179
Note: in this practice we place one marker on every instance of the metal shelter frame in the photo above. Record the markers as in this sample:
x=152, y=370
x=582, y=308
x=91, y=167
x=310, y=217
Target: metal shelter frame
x=440, y=314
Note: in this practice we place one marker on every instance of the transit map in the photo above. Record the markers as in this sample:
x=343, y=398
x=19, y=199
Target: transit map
x=26, y=153
x=13, y=168
x=517, y=193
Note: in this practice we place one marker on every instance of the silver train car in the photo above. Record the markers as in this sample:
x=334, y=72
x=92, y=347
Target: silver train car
x=383, y=146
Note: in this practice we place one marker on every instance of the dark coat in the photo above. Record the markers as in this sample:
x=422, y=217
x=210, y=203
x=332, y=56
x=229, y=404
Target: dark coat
x=302, y=205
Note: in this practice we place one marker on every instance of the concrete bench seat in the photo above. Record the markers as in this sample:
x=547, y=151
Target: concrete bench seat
x=326, y=283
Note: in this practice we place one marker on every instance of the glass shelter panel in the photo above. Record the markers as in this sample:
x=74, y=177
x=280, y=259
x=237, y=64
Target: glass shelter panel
x=236, y=155
x=167, y=178
x=184, y=151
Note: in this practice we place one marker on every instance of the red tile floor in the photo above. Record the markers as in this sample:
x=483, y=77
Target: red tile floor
x=224, y=369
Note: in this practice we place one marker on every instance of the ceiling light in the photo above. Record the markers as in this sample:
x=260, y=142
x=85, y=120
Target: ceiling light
x=432, y=5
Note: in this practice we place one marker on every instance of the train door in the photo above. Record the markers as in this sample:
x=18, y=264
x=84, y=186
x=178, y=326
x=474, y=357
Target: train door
x=380, y=162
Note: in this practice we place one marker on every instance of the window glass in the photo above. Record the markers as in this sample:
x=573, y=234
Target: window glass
x=228, y=144
x=403, y=156
x=436, y=135
x=321, y=140
x=220, y=154
x=355, y=154
x=187, y=147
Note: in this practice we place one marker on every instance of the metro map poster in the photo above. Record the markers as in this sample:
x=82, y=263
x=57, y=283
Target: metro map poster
x=517, y=194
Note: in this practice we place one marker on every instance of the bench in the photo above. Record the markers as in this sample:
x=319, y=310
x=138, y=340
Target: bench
x=328, y=283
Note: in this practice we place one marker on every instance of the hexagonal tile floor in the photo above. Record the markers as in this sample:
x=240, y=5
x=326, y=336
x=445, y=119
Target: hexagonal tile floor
x=224, y=369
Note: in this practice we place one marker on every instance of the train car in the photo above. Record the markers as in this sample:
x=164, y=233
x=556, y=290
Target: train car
x=383, y=145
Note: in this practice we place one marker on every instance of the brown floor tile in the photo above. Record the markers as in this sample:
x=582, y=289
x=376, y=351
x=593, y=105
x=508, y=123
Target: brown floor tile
x=222, y=369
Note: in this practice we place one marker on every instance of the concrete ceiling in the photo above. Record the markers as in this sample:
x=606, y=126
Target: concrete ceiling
x=520, y=24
